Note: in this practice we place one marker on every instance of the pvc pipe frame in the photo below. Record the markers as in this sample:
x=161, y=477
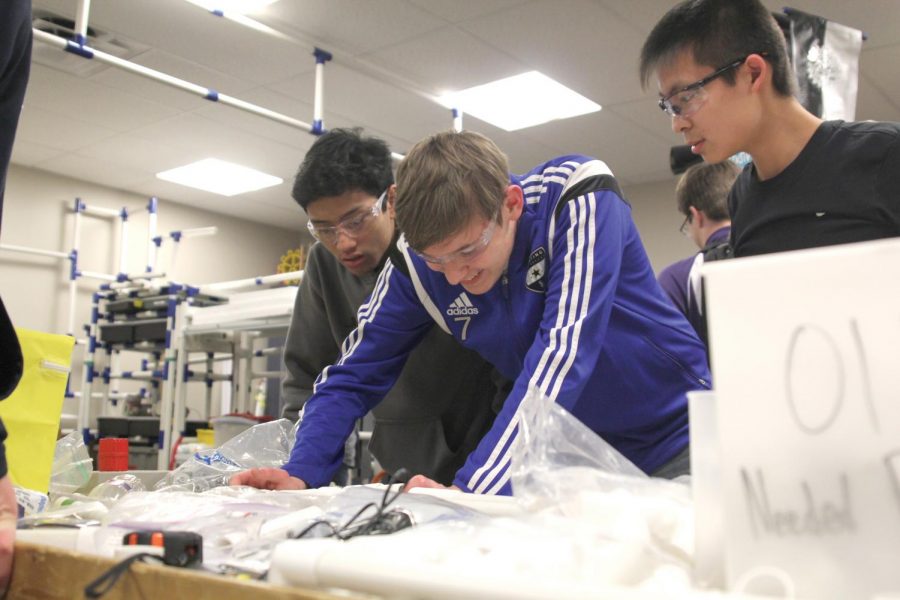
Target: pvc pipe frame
x=251, y=282
x=209, y=94
x=79, y=48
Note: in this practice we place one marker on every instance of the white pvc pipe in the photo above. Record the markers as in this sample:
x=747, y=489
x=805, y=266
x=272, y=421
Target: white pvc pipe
x=319, y=94
x=205, y=375
x=97, y=211
x=38, y=251
x=116, y=395
x=199, y=231
x=197, y=361
x=136, y=375
x=115, y=363
x=268, y=351
x=266, y=374
x=96, y=275
x=73, y=281
x=253, y=281
x=81, y=18
x=457, y=120
x=145, y=276
x=123, y=241
x=173, y=257
x=168, y=389
x=151, y=233
x=208, y=395
x=169, y=80
x=125, y=285
x=382, y=565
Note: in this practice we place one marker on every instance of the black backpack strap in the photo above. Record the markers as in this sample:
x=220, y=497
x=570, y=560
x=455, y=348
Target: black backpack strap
x=396, y=256
x=720, y=251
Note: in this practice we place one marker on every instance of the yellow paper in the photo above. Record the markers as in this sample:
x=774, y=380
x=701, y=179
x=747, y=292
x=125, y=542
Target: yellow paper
x=31, y=414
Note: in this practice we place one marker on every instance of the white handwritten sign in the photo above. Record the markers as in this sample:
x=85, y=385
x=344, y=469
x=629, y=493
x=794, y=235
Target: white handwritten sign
x=806, y=367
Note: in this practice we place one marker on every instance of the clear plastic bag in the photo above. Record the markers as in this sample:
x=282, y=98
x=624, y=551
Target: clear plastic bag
x=72, y=466
x=112, y=489
x=234, y=521
x=264, y=445
x=567, y=475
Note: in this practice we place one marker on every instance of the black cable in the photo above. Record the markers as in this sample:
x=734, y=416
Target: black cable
x=383, y=522
x=107, y=580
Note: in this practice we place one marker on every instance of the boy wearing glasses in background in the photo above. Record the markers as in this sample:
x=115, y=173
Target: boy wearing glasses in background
x=545, y=276
x=725, y=81
x=702, y=197
x=441, y=404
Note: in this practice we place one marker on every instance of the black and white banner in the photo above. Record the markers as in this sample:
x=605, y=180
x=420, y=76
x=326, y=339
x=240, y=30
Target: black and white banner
x=825, y=55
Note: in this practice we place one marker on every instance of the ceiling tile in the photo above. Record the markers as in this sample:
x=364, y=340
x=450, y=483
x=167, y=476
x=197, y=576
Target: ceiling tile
x=253, y=123
x=595, y=54
x=350, y=26
x=363, y=100
x=628, y=150
x=464, y=10
x=169, y=64
x=112, y=174
x=74, y=97
x=448, y=59
x=57, y=131
x=29, y=153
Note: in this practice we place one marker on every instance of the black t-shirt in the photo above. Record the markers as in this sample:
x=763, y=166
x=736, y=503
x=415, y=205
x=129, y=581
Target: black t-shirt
x=843, y=187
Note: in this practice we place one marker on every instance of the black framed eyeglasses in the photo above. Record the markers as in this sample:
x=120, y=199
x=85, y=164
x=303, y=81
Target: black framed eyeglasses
x=684, y=226
x=688, y=100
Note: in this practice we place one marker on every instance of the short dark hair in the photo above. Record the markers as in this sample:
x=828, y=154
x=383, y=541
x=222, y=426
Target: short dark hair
x=446, y=180
x=340, y=161
x=717, y=32
x=705, y=186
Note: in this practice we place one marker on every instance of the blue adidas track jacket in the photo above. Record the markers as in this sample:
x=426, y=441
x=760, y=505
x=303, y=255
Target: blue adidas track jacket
x=578, y=314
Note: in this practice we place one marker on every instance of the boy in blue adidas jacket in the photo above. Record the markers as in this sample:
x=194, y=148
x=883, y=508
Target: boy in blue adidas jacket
x=546, y=277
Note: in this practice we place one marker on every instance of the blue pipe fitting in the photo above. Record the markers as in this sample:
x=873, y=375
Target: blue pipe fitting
x=78, y=49
x=322, y=56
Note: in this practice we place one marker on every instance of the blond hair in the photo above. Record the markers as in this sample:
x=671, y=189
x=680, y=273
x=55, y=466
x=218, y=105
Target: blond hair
x=444, y=182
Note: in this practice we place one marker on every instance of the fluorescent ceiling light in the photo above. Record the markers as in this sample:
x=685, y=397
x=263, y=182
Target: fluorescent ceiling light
x=520, y=101
x=220, y=177
x=236, y=10
x=242, y=7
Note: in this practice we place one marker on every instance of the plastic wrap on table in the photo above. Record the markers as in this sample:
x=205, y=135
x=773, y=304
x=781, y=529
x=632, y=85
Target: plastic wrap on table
x=264, y=445
x=232, y=520
x=70, y=510
x=72, y=465
x=114, y=488
x=366, y=502
x=560, y=468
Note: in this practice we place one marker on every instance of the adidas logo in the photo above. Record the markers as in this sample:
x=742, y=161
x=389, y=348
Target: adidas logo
x=461, y=306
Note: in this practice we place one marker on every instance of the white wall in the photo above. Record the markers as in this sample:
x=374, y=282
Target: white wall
x=658, y=220
x=37, y=212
